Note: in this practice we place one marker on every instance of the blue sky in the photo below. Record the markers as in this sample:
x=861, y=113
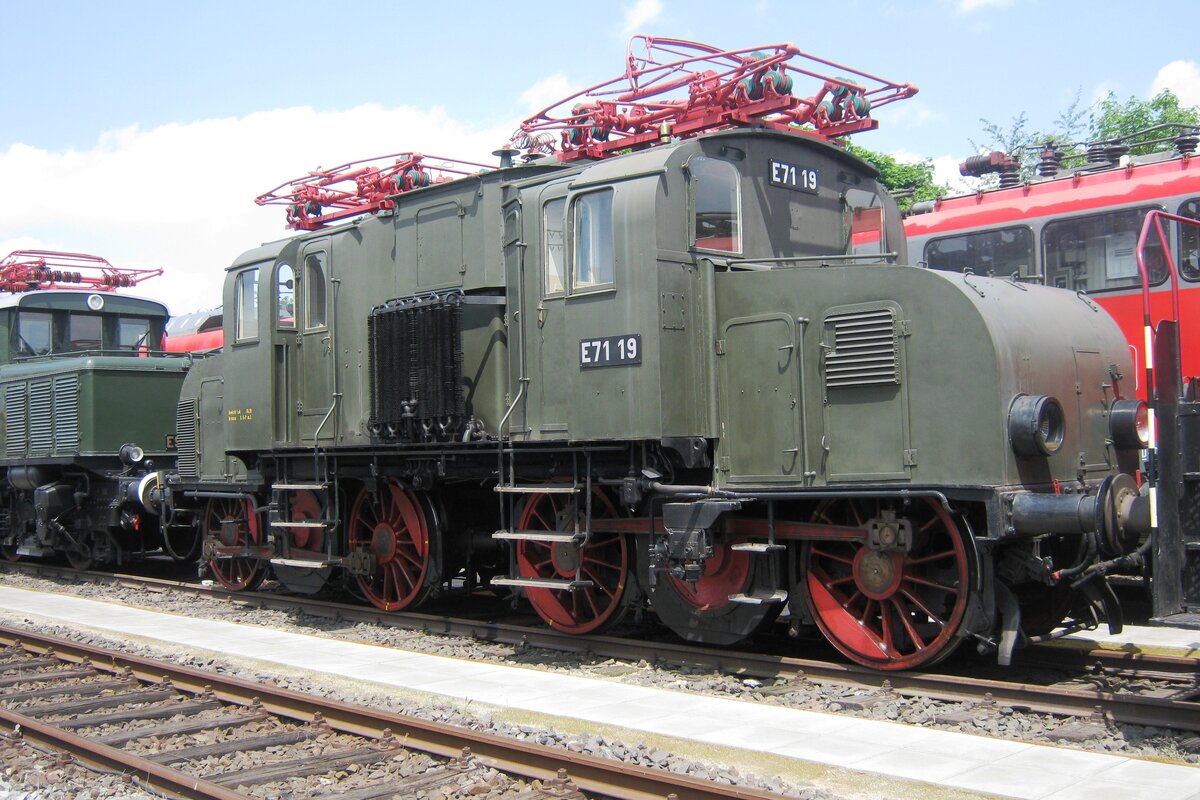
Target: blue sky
x=142, y=131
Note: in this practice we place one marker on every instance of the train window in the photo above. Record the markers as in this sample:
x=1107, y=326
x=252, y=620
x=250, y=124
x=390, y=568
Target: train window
x=593, y=240
x=132, y=333
x=1189, y=242
x=1000, y=252
x=246, y=302
x=314, y=290
x=717, y=202
x=554, y=231
x=85, y=332
x=285, y=296
x=1099, y=252
x=33, y=333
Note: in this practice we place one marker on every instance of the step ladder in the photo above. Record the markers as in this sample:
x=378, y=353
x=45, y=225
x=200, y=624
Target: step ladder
x=280, y=520
x=510, y=491
x=762, y=597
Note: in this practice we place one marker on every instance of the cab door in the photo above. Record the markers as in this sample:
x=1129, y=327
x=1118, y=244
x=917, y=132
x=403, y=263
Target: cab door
x=316, y=350
x=549, y=285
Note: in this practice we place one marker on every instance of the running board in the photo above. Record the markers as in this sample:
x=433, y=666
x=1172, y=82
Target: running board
x=763, y=599
x=305, y=563
x=296, y=487
x=553, y=488
x=756, y=547
x=553, y=537
x=543, y=583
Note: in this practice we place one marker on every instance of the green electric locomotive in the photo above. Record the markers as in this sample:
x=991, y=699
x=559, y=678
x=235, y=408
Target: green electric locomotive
x=669, y=359
x=88, y=411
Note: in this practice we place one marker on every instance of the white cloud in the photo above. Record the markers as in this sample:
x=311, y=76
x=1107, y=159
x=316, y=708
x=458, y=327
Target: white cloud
x=911, y=114
x=640, y=13
x=1182, y=78
x=967, y=6
x=548, y=90
x=181, y=196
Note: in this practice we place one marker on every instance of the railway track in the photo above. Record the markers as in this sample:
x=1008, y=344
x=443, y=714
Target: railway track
x=135, y=715
x=1101, y=691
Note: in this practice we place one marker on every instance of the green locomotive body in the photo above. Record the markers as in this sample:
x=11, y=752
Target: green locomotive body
x=664, y=379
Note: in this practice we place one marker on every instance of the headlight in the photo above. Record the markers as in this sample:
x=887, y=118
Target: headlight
x=1036, y=425
x=1129, y=424
x=131, y=454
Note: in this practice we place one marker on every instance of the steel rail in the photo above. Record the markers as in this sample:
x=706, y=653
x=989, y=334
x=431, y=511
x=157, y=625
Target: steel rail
x=96, y=755
x=606, y=777
x=1121, y=708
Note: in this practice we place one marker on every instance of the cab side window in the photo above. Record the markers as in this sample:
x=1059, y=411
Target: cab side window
x=285, y=295
x=593, y=251
x=716, y=197
x=246, y=304
x=1098, y=252
x=555, y=234
x=999, y=252
x=314, y=290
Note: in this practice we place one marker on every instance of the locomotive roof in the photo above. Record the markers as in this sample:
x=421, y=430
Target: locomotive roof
x=77, y=300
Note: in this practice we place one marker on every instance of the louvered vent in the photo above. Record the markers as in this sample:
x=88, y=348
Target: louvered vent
x=416, y=368
x=14, y=412
x=66, y=414
x=40, y=422
x=185, y=439
x=864, y=349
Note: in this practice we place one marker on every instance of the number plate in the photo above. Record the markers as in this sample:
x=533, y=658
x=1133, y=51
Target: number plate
x=790, y=176
x=611, y=351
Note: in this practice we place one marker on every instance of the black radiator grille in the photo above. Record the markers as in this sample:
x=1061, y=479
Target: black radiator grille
x=416, y=368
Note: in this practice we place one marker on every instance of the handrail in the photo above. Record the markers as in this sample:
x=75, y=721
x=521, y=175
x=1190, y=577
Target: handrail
x=1154, y=218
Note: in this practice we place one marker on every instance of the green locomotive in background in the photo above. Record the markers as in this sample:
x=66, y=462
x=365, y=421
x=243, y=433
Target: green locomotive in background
x=88, y=411
x=673, y=362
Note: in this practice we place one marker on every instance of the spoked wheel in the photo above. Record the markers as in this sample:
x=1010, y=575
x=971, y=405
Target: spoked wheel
x=701, y=611
x=309, y=544
x=392, y=526
x=890, y=609
x=234, y=523
x=9, y=552
x=81, y=556
x=603, y=560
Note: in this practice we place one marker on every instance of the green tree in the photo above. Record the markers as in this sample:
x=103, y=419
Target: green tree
x=1112, y=119
x=1106, y=120
x=910, y=183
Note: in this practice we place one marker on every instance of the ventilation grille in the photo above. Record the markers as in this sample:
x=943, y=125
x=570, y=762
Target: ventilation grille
x=188, y=459
x=14, y=412
x=864, y=349
x=66, y=414
x=40, y=422
x=416, y=368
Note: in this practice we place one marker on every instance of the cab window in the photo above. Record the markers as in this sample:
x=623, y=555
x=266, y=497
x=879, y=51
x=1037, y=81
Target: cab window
x=555, y=234
x=314, y=290
x=33, y=333
x=246, y=302
x=716, y=198
x=593, y=249
x=132, y=333
x=85, y=332
x=285, y=291
x=999, y=252
x=1099, y=252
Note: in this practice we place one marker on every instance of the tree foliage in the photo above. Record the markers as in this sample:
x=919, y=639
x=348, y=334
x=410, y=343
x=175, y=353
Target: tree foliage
x=910, y=183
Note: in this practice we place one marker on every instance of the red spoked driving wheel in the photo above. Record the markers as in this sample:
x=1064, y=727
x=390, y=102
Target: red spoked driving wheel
x=603, y=560
x=233, y=523
x=890, y=609
x=390, y=524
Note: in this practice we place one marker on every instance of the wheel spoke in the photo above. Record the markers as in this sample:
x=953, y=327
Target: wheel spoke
x=916, y=601
x=933, y=557
x=902, y=612
x=941, y=587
